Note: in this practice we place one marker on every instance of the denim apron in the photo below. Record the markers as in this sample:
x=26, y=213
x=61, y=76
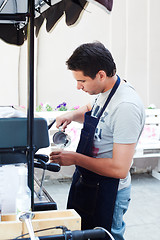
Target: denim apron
x=91, y=195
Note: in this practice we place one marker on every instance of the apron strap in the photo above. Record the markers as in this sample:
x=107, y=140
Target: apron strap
x=110, y=95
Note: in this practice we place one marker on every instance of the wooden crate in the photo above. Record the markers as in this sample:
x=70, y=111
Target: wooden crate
x=10, y=228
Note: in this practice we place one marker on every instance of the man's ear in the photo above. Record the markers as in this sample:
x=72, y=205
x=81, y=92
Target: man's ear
x=102, y=75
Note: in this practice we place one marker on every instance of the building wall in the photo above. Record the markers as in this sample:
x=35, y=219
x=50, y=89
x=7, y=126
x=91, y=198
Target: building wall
x=9, y=78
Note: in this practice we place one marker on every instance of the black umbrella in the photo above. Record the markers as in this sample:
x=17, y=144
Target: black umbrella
x=15, y=32
x=70, y=8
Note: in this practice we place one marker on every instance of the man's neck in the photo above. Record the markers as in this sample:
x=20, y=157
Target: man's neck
x=110, y=81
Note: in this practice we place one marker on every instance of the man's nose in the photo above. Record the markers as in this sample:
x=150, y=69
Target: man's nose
x=79, y=86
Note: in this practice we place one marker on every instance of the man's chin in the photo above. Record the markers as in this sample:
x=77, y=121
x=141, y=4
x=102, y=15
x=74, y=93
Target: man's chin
x=90, y=93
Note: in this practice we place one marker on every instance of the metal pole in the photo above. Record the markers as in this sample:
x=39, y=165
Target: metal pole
x=30, y=107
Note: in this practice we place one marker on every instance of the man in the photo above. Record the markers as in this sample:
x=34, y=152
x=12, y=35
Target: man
x=100, y=190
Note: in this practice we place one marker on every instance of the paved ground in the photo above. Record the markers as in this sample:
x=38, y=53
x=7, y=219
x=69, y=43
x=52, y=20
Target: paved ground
x=143, y=216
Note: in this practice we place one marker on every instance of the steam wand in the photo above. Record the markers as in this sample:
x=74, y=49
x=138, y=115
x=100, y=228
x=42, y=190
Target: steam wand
x=26, y=217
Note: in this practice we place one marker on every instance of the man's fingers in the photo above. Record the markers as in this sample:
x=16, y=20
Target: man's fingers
x=55, y=152
x=54, y=159
x=54, y=156
x=63, y=124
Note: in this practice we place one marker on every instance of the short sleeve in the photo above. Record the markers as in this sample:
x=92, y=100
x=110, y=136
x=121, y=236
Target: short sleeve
x=127, y=123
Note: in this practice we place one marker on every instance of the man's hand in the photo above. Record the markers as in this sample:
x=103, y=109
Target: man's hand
x=63, y=120
x=76, y=115
x=63, y=158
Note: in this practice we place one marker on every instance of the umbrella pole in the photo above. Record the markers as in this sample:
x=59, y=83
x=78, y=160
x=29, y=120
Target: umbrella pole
x=30, y=99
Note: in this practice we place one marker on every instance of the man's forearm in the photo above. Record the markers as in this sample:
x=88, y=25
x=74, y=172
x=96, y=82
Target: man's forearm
x=101, y=166
x=117, y=166
x=78, y=115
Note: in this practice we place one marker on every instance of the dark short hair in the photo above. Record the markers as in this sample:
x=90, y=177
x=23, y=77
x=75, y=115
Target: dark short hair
x=90, y=58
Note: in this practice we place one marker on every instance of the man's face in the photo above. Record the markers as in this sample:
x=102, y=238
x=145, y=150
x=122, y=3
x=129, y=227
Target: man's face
x=87, y=84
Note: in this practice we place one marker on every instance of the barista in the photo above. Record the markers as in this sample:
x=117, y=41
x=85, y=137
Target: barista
x=100, y=190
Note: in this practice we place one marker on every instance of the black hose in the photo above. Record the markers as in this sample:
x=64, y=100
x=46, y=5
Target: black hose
x=50, y=125
x=76, y=235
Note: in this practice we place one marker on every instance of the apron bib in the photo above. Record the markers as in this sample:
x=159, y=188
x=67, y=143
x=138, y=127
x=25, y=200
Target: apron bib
x=91, y=195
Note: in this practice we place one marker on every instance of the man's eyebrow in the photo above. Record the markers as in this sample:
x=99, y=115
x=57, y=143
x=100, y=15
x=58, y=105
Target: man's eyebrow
x=81, y=80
